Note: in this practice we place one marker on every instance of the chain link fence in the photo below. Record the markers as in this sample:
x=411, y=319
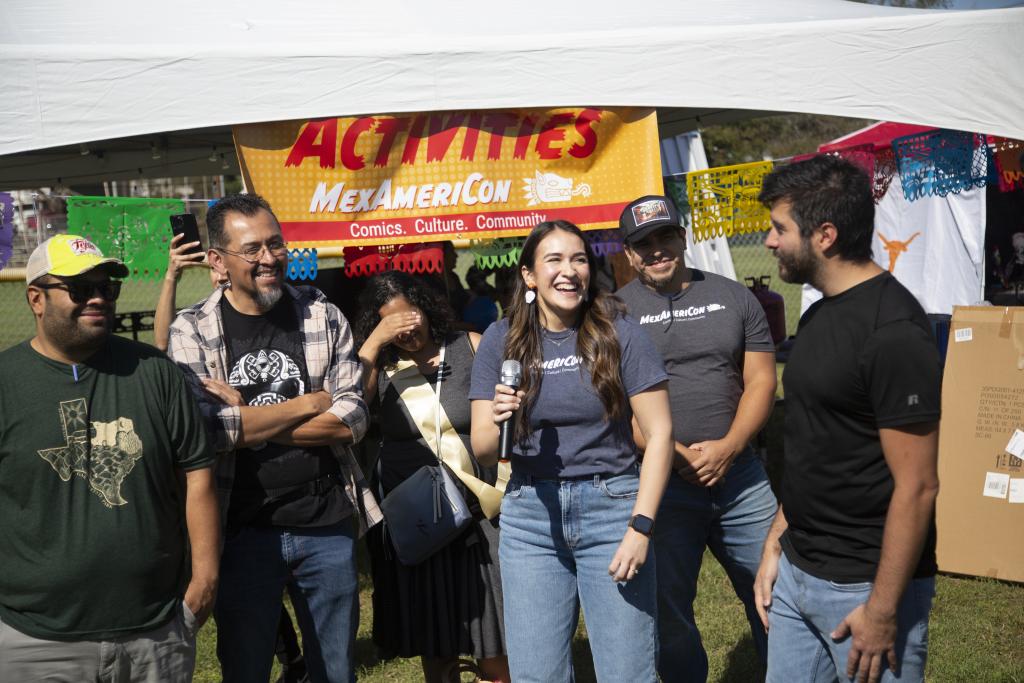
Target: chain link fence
x=752, y=260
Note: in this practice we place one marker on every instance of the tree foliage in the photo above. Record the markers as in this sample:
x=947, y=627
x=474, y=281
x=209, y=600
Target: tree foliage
x=773, y=137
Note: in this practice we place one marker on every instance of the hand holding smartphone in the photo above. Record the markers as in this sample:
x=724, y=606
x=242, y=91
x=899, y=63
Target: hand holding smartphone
x=185, y=224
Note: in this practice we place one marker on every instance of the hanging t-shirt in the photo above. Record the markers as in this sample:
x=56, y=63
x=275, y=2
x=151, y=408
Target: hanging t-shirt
x=570, y=436
x=864, y=359
x=93, y=543
x=276, y=484
x=701, y=333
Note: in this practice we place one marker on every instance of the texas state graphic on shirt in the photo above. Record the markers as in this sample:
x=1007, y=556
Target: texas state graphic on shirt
x=104, y=460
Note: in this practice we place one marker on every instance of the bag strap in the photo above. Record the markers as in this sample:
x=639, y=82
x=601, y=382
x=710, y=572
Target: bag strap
x=437, y=402
x=413, y=389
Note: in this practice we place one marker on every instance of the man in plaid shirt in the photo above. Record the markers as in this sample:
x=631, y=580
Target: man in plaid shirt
x=278, y=382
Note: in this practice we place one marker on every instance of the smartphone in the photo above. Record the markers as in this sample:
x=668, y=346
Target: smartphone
x=185, y=224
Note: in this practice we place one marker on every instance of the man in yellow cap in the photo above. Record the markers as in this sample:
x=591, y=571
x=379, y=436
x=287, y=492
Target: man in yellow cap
x=105, y=482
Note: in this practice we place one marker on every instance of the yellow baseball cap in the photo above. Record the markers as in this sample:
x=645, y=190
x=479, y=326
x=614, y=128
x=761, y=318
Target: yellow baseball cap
x=69, y=255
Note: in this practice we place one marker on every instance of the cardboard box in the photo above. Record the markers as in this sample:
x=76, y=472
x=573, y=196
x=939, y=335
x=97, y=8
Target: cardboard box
x=980, y=510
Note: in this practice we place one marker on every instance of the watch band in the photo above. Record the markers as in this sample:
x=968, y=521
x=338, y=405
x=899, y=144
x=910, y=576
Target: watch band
x=642, y=524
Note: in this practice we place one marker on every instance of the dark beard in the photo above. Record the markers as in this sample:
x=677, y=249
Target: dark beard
x=67, y=335
x=800, y=268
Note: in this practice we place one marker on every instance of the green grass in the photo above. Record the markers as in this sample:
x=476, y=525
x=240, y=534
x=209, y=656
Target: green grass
x=975, y=636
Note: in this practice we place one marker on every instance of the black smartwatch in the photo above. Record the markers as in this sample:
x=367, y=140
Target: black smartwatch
x=642, y=525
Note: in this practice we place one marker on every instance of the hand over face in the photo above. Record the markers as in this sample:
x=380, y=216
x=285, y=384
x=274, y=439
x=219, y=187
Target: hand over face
x=396, y=326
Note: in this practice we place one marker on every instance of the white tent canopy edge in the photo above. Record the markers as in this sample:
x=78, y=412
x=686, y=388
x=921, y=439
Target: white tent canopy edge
x=81, y=72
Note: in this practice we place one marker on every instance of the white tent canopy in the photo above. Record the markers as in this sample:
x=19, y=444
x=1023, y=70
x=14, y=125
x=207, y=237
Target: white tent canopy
x=176, y=75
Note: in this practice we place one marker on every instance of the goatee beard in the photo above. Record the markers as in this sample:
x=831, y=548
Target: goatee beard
x=268, y=298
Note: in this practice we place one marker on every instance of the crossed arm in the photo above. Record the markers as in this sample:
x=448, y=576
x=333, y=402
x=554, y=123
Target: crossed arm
x=314, y=419
x=301, y=421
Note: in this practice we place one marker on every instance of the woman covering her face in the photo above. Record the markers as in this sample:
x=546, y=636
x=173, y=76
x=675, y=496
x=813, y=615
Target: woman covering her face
x=450, y=604
x=579, y=510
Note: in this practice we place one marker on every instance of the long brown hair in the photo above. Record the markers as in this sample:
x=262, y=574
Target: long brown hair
x=597, y=344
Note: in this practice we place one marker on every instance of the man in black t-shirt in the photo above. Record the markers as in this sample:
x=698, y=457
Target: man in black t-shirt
x=278, y=381
x=848, y=570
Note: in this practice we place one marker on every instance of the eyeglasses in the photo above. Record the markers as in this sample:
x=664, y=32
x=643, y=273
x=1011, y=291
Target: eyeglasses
x=253, y=254
x=82, y=291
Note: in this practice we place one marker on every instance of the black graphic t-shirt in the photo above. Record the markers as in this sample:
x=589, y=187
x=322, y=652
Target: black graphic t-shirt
x=277, y=484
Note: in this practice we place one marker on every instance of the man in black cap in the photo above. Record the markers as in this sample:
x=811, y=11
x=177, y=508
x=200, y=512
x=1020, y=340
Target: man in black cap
x=714, y=339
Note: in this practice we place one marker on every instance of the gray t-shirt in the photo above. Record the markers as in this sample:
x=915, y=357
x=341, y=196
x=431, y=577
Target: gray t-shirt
x=570, y=436
x=702, y=333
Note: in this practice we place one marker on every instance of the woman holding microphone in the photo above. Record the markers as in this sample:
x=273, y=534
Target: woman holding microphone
x=578, y=511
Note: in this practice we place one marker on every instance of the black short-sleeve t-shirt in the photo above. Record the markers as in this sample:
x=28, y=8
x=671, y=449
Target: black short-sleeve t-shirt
x=864, y=359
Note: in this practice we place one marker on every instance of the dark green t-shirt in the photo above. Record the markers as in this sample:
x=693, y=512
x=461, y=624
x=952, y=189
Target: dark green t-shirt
x=93, y=542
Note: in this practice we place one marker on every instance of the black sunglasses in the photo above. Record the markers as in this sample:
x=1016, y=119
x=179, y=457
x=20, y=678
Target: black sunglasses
x=80, y=292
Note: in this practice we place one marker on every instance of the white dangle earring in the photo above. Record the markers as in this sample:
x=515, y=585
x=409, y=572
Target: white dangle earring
x=530, y=296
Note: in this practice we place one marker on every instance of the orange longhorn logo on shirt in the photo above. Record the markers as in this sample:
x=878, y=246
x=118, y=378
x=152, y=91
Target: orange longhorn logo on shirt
x=895, y=248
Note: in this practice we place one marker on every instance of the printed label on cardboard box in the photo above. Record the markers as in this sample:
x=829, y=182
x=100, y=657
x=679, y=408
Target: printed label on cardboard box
x=963, y=335
x=1016, y=444
x=996, y=485
x=1017, y=490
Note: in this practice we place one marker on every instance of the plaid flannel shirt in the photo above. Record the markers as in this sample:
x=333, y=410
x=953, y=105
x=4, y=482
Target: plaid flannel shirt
x=197, y=345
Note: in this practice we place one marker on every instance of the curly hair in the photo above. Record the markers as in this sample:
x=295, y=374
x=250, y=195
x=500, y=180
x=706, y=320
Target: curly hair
x=383, y=288
x=597, y=343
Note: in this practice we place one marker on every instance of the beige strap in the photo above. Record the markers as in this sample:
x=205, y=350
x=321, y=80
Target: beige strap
x=435, y=426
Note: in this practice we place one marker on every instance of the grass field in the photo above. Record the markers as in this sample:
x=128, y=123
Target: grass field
x=977, y=625
x=976, y=630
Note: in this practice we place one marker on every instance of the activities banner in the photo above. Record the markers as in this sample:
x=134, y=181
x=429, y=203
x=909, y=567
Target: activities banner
x=402, y=178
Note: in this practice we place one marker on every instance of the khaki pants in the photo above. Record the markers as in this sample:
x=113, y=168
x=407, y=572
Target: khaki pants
x=166, y=654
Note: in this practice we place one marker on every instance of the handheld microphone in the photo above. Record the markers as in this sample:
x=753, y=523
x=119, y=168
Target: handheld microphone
x=511, y=376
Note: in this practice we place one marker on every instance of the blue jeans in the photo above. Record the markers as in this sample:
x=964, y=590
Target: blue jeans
x=805, y=610
x=557, y=539
x=731, y=518
x=317, y=566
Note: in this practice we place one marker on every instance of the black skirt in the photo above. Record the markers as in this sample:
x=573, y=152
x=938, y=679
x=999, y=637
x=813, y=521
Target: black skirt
x=450, y=604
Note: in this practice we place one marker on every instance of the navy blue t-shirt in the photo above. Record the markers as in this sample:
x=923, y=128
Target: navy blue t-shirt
x=570, y=436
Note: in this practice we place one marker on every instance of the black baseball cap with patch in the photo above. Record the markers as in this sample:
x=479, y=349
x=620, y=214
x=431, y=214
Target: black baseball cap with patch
x=643, y=216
